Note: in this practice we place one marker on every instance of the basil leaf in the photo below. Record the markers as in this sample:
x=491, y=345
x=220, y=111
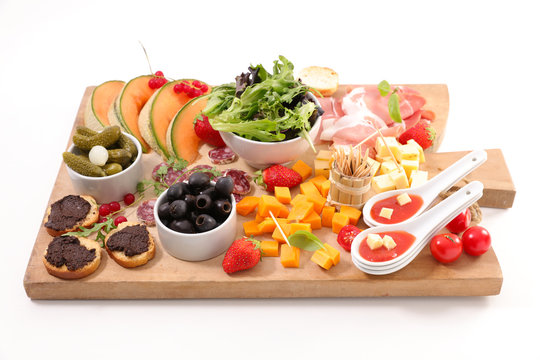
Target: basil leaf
x=305, y=240
x=384, y=88
x=393, y=108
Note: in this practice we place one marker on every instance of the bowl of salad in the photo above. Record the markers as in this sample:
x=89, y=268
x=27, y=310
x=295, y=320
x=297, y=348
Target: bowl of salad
x=265, y=117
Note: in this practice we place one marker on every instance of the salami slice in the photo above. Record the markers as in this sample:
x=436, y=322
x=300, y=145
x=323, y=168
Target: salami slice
x=242, y=181
x=145, y=212
x=222, y=155
x=171, y=176
x=238, y=197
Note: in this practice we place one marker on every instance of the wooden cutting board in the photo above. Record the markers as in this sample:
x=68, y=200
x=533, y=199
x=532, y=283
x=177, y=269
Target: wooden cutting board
x=167, y=277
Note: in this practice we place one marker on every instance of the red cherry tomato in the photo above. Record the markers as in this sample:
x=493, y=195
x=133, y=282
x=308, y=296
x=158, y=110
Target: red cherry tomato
x=119, y=220
x=446, y=248
x=476, y=240
x=346, y=236
x=460, y=222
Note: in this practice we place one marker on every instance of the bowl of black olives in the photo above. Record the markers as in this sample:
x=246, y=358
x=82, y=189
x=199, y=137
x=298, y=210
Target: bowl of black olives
x=196, y=219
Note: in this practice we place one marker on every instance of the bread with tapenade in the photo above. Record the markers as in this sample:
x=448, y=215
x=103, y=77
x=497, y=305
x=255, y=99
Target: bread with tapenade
x=72, y=257
x=70, y=212
x=130, y=245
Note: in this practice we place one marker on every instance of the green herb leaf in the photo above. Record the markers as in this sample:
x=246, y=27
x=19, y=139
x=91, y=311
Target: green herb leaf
x=384, y=88
x=393, y=108
x=96, y=228
x=305, y=240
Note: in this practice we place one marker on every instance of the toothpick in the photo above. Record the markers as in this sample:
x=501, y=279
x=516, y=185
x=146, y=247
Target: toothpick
x=279, y=227
x=366, y=139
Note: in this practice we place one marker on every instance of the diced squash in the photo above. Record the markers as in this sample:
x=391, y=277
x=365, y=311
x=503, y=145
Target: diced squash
x=334, y=253
x=308, y=188
x=276, y=235
x=326, y=216
x=247, y=205
x=259, y=218
x=325, y=188
x=267, y=226
x=303, y=169
x=352, y=213
x=298, y=198
x=269, y=203
x=299, y=226
x=269, y=248
x=300, y=210
x=314, y=220
x=282, y=194
x=318, y=202
x=318, y=181
x=251, y=228
x=339, y=220
x=290, y=256
x=283, y=212
x=322, y=258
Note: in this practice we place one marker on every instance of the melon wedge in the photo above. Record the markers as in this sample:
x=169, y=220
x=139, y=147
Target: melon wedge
x=157, y=113
x=125, y=110
x=182, y=142
x=103, y=95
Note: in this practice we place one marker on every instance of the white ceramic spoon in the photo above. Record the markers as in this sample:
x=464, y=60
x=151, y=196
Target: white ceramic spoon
x=431, y=189
x=423, y=227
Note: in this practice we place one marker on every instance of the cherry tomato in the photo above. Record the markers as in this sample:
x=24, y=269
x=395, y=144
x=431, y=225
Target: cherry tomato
x=460, y=222
x=346, y=236
x=476, y=240
x=446, y=248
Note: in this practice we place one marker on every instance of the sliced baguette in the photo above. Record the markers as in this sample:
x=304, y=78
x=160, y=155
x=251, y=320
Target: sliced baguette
x=322, y=79
x=131, y=261
x=89, y=220
x=64, y=273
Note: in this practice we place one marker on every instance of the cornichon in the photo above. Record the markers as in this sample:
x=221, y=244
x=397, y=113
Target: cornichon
x=112, y=168
x=126, y=143
x=120, y=156
x=106, y=138
x=82, y=165
x=85, y=131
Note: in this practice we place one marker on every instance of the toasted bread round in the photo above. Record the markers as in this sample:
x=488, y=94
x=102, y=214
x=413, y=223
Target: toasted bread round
x=64, y=273
x=322, y=79
x=131, y=261
x=91, y=218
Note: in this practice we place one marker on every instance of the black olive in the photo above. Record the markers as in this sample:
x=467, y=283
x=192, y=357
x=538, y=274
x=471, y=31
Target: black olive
x=198, y=181
x=175, y=192
x=185, y=188
x=205, y=223
x=190, y=201
x=192, y=216
x=203, y=203
x=183, y=226
x=163, y=211
x=224, y=186
x=178, y=209
x=210, y=191
x=222, y=208
x=165, y=221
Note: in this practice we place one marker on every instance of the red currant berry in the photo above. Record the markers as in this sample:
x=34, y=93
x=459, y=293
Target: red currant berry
x=197, y=84
x=204, y=88
x=129, y=199
x=114, y=206
x=104, y=210
x=178, y=88
x=152, y=84
x=119, y=220
x=197, y=92
x=161, y=82
x=190, y=92
x=159, y=73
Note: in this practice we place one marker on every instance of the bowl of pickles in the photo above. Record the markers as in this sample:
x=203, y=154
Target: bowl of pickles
x=106, y=164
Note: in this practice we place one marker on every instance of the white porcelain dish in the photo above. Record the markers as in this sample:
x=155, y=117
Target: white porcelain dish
x=260, y=154
x=197, y=247
x=113, y=187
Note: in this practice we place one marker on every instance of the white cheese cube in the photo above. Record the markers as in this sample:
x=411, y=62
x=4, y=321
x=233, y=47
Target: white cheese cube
x=324, y=155
x=322, y=167
x=381, y=148
x=386, y=213
x=418, y=177
x=382, y=183
x=388, y=166
x=422, y=158
x=388, y=242
x=375, y=165
x=382, y=159
x=400, y=179
x=408, y=152
x=409, y=166
x=374, y=241
x=403, y=199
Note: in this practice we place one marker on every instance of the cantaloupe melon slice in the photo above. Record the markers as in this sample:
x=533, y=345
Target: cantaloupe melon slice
x=125, y=110
x=182, y=142
x=103, y=95
x=157, y=114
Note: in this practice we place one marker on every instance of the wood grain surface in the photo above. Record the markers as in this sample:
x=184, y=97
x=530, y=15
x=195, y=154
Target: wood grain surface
x=167, y=277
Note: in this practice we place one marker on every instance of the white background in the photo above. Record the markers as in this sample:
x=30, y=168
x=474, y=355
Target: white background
x=487, y=53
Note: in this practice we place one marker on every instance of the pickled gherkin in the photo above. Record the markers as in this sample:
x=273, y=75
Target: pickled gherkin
x=126, y=143
x=85, y=131
x=82, y=165
x=120, y=156
x=112, y=168
x=105, y=138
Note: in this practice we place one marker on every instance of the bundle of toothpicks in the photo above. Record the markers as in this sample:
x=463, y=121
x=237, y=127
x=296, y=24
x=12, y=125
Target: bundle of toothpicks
x=350, y=176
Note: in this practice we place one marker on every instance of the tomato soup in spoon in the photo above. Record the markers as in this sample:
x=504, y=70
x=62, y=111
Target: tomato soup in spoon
x=399, y=212
x=402, y=239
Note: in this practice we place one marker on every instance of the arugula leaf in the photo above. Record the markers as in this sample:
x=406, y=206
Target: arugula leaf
x=384, y=88
x=106, y=226
x=393, y=108
x=305, y=240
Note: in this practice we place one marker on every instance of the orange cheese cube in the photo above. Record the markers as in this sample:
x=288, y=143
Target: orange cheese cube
x=298, y=198
x=276, y=235
x=269, y=248
x=299, y=226
x=300, y=210
x=282, y=194
x=314, y=220
x=322, y=258
x=290, y=256
x=251, y=228
x=326, y=215
x=318, y=202
x=352, y=213
x=269, y=203
x=308, y=188
x=267, y=226
x=339, y=220
x=247, y=205
x=283, y=212
x=303, y=169
x=334, y=253
x=325, y=188
x=318, y=181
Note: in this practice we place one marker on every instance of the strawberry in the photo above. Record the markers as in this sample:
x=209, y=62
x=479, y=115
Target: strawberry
x=421, y=132
x=243, y=254
x=278, y=175
x=206, y=132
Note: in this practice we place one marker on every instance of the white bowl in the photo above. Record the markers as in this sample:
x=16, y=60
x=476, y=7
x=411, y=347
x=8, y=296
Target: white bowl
x=113, y=187
x=199, y=246
x=261, y=154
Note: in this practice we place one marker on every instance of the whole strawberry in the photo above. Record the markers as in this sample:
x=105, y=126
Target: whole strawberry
x=422, y=133
x=206, y=132
x=243, y=254
x=278, y=175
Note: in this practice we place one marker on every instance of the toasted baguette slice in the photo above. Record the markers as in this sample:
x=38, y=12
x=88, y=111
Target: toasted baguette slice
x=131, y=261
x=89, y=220
x=322, y=79
x=64, y=273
